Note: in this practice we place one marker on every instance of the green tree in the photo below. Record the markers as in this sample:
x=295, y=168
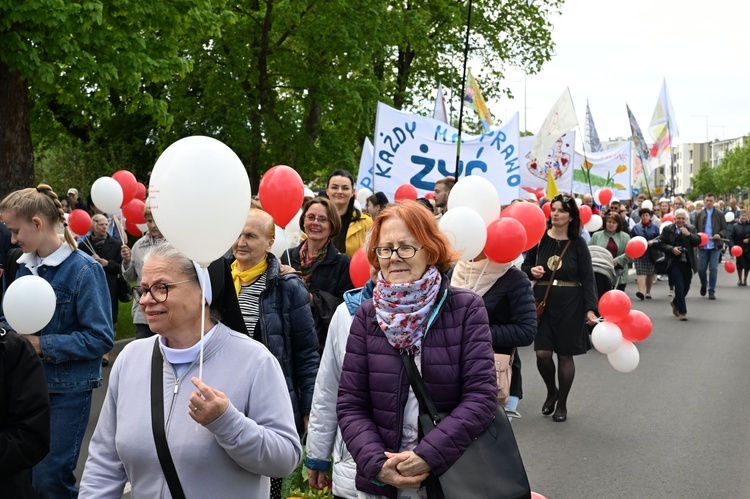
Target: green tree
x=704, y=181
x=73, y=64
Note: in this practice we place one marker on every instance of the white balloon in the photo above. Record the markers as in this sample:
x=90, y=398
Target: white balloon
x=280, y=242
x=363, y=194
x=106, y=194
x=663, y=226
x=357, y=205
x=641, y=240
x=729, y=217
x=308, y=193
x=200, y=197
x=579, y=202
x=647, y=204
x=292, y=230
x=478, y=194
x=626, y=358
x=29, y=304
x=606, y=337
x=465, y=230
x=594, y=224
x=596, y=197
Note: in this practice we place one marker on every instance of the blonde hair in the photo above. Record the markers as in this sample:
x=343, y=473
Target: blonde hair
x=40, y=201
x=266, y=221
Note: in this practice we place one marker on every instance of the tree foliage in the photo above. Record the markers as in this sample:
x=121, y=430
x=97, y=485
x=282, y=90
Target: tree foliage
x=731, y=175
x=280, y=81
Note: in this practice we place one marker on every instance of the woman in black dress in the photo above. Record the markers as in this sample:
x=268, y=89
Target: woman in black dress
x=570, y=305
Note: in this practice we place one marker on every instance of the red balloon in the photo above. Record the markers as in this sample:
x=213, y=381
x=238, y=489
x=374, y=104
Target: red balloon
x=547, y=209
x=132, y=228
x=635, y=249
x=614, y=305
x=359, y=268
x=636, y=326
x=430, y=196
x=585, y=213
x=704, y=239
x=736, y=251
x=406, y=191
x=79, y=222
x=605, y=196
x=506, y=239
x=281, y=193
x=531, y=217
x=133, y=211
x=668, y=218
x=128, y=183
x=730, y=267
x=140, y=191
x=536, y=495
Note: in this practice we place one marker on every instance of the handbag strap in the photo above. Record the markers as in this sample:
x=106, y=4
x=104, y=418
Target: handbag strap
x=420, y=390
x=157, y=424
x=554, y=271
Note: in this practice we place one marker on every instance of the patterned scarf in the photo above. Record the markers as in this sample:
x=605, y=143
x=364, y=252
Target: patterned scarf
x=241, y=277
x=402, y=310
x=308, y=263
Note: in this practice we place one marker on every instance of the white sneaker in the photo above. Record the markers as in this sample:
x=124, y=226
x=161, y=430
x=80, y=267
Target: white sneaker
x=659, y=277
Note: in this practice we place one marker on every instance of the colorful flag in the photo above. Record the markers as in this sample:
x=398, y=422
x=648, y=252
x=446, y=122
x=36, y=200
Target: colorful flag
x=641, y=148
x=592, y=137
x=663, y=127
x=440, y=112
x=561, y=118
x=474, y=100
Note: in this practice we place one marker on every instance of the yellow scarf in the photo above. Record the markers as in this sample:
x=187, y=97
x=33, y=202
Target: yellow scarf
x=241, y=277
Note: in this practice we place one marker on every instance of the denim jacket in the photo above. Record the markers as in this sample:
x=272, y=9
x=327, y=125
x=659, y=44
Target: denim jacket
x=81, y=330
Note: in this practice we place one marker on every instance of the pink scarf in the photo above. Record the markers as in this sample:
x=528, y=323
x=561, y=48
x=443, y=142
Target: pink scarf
x=402, y=310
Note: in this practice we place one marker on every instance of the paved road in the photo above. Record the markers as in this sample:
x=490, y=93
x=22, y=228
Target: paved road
x=676, y=427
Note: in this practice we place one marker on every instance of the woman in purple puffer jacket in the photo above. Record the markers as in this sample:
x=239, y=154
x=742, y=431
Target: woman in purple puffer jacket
x=413, y=308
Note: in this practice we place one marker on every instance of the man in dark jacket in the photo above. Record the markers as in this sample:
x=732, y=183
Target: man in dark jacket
x=24, y=415
x=712, y=222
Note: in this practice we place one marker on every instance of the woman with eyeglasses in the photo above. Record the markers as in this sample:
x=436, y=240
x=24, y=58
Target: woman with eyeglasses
x=445, y=330
x=322, y=267
x=354, y=223
x=570, y=305
x=222, y=435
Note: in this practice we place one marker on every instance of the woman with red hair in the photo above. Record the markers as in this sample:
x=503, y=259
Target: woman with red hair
x=444, y=330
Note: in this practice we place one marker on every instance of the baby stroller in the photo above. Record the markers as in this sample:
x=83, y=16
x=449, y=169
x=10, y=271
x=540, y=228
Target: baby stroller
x=604, y=270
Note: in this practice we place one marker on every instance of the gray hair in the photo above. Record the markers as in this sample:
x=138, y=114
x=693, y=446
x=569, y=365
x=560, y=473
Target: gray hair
x=681, y=211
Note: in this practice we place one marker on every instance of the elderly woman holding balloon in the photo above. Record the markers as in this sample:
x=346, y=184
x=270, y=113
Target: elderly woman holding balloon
x=72, y=343
x=570, y=301
x=678, y=241
x=322, y=268
x=645, y=269
x=223, y=433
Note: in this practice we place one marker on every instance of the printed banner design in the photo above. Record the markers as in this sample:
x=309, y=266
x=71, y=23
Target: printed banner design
x=416, y=150
x=610, y=168
x=559, y=160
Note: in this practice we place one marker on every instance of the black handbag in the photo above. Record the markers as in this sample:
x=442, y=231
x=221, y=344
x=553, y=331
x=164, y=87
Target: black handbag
x=124, y=291
x=490, y=468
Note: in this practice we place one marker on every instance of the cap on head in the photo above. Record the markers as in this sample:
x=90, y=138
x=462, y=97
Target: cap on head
x=73, y=191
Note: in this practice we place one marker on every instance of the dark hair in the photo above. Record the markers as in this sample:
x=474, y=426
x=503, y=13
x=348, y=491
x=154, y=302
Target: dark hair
x=570, y=206
x=351, y=209
x=332, y=212
x=426, y=203
x=709, y=194
x=378, y=199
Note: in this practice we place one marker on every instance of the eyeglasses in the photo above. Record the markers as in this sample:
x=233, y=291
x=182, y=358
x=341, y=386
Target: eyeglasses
x=404, y=252
x=159, y=291
x=313, y=218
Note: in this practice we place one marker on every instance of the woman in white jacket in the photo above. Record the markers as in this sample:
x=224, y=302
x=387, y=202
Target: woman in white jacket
x=323, y=435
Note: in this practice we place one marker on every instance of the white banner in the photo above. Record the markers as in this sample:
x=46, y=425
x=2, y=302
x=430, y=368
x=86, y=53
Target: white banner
x=610, y=168
x=559, y=160
x=412, y=149
x=364, y=177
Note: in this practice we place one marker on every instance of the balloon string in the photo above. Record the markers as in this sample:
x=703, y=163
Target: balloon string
x=481, y=274
x=203, y=321
x=286, y=247
x=118, y=225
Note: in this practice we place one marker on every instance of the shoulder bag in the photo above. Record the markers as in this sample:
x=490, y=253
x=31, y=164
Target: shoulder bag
x=504, y=370
x=490, y=468
x=541, y=305
x=157, y=424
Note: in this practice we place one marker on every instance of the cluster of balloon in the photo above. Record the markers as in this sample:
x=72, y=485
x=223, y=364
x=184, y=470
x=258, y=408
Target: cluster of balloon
x=636, y=247
x=119, y=193
x=29, y=304
x=193, y=168
x=474, y=223
x=406, y=191
x=622, y=327
x=602, y=197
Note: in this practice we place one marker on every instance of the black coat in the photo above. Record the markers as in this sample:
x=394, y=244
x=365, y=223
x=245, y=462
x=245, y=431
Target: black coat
x=741, y=232
x=511, y=311
x=111, y=252
x=329, y=281
x=24, y=415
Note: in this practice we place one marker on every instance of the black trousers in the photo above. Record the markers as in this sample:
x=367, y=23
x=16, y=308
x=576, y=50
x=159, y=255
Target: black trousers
x=681, y=274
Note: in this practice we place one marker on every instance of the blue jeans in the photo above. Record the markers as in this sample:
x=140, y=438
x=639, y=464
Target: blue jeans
x=53, y=477
x=708, y=259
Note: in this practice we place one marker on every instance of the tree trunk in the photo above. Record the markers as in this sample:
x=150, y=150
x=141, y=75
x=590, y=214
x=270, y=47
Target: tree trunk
x=405, y=58
x=16, y=153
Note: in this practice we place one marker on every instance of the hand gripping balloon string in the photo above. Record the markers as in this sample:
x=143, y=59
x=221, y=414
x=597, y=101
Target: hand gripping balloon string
x=204, y=270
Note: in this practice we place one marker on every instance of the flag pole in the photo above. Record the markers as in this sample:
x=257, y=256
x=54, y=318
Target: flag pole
x=463, y=90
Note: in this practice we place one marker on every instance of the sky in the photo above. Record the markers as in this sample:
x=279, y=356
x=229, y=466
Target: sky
x=614, y=52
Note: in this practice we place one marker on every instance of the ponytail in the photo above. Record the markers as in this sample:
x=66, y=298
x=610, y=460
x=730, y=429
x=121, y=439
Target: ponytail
x=39, y=201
